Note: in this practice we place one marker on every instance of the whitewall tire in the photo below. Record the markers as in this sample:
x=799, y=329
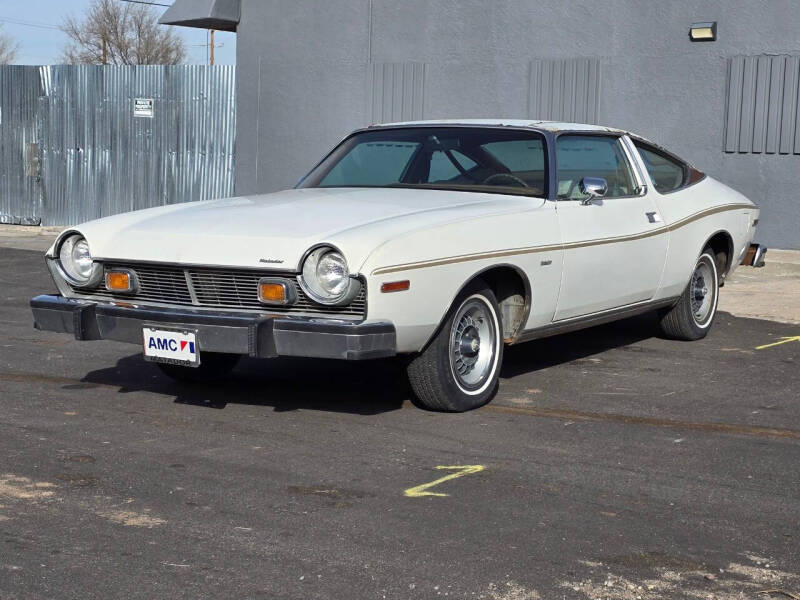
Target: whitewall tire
x=459, y=369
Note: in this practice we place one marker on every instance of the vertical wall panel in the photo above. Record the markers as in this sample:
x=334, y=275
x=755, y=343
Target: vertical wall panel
x=534, y=84
x=796, y=123
x=581, y=87
x=593, y=92
x=734, y=103
x=762, y=105
x=748, y=104
x=776, y=83
x=395, y=91
x=763, y=65
x=788, y=119
x=556, y=90
x=564, y=90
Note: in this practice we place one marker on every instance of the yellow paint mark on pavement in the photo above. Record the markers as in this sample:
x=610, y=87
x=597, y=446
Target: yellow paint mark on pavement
x=461, y=470
x=783, y=340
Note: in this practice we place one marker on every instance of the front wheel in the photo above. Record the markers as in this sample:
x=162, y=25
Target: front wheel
x=459, y=370
x=692, y=316
x=213, y=366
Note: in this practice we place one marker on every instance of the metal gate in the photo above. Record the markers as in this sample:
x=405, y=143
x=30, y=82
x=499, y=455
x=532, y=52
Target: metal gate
x=91, y=141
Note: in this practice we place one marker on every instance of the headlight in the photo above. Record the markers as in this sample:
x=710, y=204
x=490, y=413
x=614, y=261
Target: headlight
x=326, y=278
x=76, y=261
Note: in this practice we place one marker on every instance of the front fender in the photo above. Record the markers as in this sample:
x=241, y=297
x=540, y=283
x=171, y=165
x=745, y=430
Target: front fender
x=439, y=262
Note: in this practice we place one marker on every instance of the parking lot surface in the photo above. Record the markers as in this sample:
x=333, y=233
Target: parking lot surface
x=611, y=464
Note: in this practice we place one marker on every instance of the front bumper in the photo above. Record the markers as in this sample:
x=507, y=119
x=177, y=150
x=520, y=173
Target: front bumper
x=234, y=333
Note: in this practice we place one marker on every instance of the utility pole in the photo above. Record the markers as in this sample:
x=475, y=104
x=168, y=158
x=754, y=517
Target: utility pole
x=210, y=47
x=211, y=56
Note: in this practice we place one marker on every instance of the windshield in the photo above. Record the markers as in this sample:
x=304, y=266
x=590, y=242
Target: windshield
x=460, y=158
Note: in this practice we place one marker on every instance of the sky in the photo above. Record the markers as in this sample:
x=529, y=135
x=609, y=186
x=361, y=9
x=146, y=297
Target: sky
x=34, y=25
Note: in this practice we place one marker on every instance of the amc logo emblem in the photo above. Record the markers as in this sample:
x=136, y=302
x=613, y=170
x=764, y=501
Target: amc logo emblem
x=172, y=345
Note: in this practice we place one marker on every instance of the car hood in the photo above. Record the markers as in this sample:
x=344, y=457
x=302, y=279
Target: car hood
x=275, y=230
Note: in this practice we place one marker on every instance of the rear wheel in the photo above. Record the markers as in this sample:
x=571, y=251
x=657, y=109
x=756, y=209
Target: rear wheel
x=213, y=366
x=692, y=316
x=459, y=369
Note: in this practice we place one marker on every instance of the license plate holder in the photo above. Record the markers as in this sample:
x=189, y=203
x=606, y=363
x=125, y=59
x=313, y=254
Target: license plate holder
x=171, y=345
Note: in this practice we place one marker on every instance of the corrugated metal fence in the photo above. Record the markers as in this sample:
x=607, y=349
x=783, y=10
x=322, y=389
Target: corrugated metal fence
x=82, y=142
x=20, y=195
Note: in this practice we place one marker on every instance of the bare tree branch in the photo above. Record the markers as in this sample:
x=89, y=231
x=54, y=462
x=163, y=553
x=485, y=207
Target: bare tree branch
x=120, y=33
x=8, y=48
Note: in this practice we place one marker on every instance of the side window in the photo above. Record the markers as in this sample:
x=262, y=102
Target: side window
x=523, y=158
x=580, y=156
x=442, y=169
x=667, y=174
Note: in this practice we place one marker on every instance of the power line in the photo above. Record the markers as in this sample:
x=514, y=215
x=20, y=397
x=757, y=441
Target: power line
x=13, y=21
x=145, y=2
x=40, y=25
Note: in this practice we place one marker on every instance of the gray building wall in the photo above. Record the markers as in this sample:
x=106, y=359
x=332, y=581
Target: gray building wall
x=311, y=71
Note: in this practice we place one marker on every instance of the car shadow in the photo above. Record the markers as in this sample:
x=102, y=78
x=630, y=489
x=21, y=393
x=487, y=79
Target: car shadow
x=365, y=388
x=284, y=384
x=548, y=352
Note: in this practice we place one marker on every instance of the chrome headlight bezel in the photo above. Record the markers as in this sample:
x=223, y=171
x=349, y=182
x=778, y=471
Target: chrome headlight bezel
x=71, y=273
x=309, y=281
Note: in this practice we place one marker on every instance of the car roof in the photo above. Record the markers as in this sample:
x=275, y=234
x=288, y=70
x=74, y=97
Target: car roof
x=552, y=126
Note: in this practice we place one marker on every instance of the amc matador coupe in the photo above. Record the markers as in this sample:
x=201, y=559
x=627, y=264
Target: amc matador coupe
x=442, y=241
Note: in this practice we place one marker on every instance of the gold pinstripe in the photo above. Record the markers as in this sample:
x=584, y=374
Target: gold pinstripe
x=535, y=249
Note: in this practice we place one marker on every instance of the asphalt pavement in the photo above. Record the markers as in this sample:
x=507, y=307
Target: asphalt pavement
x=611, y=464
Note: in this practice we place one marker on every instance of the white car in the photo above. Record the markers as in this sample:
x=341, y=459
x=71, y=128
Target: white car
x=443, y=241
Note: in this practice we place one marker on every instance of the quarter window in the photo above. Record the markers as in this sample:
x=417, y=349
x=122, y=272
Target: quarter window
x=667, y=174
x=580, y=156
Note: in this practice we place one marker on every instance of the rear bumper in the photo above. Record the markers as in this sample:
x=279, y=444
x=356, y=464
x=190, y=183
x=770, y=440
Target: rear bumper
x=235, y=333
x=755, y=256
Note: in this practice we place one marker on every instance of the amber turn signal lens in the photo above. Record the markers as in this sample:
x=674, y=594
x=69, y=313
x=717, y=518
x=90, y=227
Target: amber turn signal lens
x=118, y=281
x=272, y=293
x=395, y=286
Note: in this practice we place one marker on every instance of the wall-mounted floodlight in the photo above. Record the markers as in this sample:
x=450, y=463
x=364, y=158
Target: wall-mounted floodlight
x=703, y=32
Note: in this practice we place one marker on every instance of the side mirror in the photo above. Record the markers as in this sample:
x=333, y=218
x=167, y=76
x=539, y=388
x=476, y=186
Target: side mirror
x=593, y=187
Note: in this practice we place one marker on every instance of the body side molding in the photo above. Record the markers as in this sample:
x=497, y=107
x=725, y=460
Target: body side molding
x=534, y=249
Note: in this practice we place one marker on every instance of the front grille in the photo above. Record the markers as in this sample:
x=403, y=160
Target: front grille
x=215, y=288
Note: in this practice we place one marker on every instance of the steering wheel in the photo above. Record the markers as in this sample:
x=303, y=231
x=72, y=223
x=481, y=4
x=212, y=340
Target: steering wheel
x=501, y=176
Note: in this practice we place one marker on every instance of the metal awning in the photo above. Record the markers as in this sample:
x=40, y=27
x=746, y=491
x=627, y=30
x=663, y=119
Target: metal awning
x=222, y=15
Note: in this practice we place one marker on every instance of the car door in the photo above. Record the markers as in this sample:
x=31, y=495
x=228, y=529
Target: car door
x=615, y=246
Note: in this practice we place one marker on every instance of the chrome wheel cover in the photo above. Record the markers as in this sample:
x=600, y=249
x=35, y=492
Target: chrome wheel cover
x=702, y=292
x=473, y=344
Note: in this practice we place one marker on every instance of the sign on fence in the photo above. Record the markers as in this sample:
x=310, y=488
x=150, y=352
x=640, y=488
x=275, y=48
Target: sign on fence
x=143, y=107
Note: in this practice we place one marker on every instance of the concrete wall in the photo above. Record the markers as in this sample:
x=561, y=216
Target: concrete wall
x=307, y=76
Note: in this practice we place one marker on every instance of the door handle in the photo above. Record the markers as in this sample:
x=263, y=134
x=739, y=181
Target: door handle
x=653, y=217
